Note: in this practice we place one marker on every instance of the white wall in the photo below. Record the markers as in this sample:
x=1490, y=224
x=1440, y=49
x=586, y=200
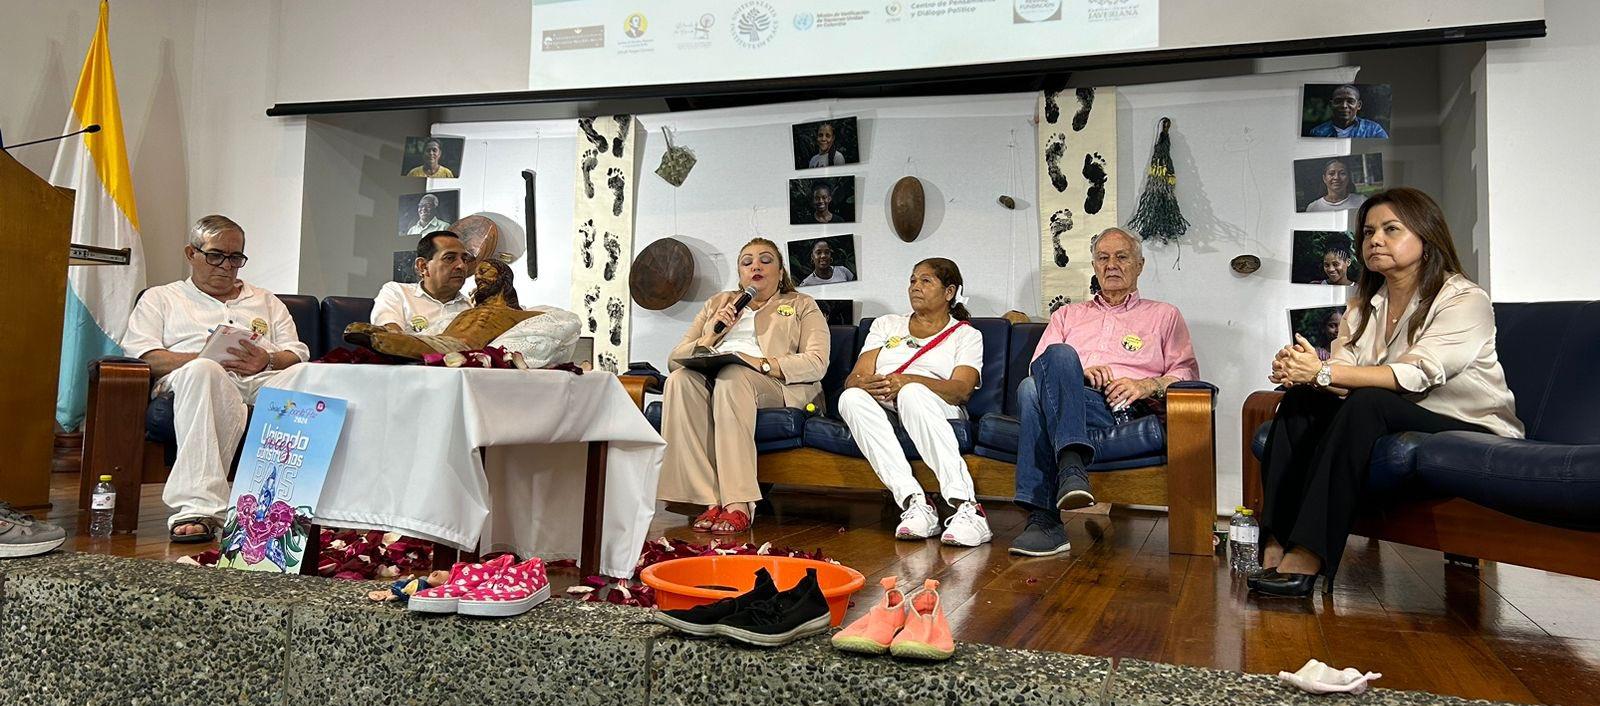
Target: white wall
x=1540, y=125
x=1232, y=147
x=152, y=51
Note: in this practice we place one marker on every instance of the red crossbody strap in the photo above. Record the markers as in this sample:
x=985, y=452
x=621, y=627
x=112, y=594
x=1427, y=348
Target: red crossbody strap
x=928, y=346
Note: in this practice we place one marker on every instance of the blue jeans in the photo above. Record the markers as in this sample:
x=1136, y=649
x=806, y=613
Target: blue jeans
x=1058, y=410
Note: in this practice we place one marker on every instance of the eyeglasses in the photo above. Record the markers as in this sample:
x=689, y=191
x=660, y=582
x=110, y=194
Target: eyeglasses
x=215, y=258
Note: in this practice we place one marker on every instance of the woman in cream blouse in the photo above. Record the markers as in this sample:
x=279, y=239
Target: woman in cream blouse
x=1415, y=352
x=709, y=423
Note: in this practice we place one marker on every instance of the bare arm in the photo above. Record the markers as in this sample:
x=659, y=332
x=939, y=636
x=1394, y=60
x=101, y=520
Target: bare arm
x=955, y=391
x=162, y=362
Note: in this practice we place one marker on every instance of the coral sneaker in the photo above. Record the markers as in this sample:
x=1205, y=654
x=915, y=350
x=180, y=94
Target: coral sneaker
x=871, y=633
x=463, y=578
x=927, y=633
x=515, y=591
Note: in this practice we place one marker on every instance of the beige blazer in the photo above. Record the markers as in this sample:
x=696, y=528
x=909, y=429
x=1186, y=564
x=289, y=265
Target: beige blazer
x=790, y=329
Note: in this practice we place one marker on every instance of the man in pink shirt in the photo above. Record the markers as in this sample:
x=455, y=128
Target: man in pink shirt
x=1097, y=359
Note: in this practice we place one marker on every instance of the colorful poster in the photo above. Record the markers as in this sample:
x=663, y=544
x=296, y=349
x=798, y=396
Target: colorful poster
x=287, y=448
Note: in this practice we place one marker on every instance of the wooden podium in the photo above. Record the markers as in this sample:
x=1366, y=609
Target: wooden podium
x=35, y=237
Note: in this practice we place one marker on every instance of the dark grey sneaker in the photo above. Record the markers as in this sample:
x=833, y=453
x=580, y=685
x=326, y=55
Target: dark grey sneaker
x=1072, y=491
x=1041, y=539
x=21, y=535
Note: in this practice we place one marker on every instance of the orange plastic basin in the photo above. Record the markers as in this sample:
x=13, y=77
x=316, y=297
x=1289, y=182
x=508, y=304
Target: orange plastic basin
x=686, y=583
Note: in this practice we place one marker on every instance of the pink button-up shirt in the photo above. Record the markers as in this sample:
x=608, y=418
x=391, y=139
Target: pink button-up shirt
x=1139, y=338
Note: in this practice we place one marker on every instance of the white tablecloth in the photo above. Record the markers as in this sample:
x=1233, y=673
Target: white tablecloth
x=407, y=460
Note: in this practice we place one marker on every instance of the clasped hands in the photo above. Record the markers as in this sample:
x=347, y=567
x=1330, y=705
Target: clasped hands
x=883, y=388
x=1296, y=364
x=1119, y=392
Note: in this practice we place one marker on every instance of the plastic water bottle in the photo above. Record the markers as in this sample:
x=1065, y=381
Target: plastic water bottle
x=101, y=507
x=1244, y=534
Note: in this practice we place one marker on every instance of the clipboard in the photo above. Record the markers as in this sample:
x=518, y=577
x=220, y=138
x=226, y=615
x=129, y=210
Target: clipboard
x=707, y=361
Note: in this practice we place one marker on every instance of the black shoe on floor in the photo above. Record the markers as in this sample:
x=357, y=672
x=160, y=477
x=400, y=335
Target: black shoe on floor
x=1041, y=538
x=1072, y=491
x=1272, y=583
x=701, y=620
x=798, y=612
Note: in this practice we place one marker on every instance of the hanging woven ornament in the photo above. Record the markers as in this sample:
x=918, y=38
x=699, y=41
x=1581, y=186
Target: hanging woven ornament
x=1158, y=215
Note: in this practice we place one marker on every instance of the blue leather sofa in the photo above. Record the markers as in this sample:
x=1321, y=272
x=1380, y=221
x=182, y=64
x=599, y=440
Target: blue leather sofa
x=1144, y=462
x=1534, y=501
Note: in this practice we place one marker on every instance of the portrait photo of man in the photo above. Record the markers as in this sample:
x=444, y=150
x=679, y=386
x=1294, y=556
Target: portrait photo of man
x=427, y=212
x=1347, y=110
x=433, y=157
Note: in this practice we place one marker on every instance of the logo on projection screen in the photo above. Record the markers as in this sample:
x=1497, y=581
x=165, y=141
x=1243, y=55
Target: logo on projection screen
x=635, y=26
x=1025, y=11
x=754, y=24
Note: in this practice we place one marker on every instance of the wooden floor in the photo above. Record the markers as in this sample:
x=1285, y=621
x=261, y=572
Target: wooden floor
x=1504, y=633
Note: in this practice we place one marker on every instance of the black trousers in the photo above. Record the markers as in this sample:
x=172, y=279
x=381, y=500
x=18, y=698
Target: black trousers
x=1317, y=460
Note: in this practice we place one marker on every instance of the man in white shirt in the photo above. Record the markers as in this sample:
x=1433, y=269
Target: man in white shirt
x=442, y=265
x=169, y=328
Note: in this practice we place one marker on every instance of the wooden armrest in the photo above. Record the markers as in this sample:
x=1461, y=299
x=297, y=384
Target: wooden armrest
x=113, y=427
x=1191, y=469
x=635, y=386
x=1259, y=407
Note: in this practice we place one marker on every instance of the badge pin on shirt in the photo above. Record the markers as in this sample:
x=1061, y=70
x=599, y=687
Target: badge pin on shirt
x=419, y=322
x=259, y=326
x=1132, y=343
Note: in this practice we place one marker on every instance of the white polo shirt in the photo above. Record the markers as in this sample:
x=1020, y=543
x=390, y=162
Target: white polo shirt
x=410, y=307
x=891, y=334
x=178, y=317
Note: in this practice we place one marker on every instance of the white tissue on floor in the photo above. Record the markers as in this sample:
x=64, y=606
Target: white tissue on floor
x=1319, y=678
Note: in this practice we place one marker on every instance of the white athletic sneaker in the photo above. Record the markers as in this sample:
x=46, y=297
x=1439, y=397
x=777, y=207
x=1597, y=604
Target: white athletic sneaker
x=968, y=527
x=919, y=521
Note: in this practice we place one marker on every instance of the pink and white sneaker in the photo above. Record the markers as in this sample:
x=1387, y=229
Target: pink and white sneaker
x=515, y=591
x=463, y=578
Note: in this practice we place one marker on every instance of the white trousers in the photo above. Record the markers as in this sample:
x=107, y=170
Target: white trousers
x=925, y=417
x=209, y=414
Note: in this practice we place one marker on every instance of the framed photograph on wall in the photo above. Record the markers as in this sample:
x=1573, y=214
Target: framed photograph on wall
x=432, y=157
x=1324, y=257
x=424, y=213
x=822, y=200
x=1336, y=183
x=1346, y=110
x=826, y=143
x=1319, y=325
x=827, y=260
x=405, y=266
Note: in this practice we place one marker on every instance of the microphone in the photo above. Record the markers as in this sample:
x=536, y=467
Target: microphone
x=738, y=306
x=93, y=127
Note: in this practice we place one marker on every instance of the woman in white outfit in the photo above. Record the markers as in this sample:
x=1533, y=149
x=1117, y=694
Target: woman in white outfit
x=920, y=367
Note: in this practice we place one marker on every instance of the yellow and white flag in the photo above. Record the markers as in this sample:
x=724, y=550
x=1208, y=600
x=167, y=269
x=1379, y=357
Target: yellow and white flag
x=99, y=298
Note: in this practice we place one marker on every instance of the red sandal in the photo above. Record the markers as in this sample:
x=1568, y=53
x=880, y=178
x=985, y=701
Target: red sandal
x=737, y=522
x=706, y=519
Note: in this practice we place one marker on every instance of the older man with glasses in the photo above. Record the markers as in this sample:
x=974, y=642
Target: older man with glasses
x=169, y=328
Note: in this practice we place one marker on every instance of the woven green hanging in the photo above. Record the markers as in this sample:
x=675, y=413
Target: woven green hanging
x=1158, y=215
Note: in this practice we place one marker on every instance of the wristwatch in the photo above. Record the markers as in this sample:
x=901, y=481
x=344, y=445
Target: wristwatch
x=766, y=367
x=1325, y=375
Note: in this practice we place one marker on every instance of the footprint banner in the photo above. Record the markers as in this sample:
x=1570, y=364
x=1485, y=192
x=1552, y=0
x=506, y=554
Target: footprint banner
x=1077, y=150
x=602, y=232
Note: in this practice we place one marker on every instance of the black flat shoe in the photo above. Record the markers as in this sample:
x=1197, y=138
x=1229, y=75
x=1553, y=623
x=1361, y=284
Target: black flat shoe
x=1272, y=583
